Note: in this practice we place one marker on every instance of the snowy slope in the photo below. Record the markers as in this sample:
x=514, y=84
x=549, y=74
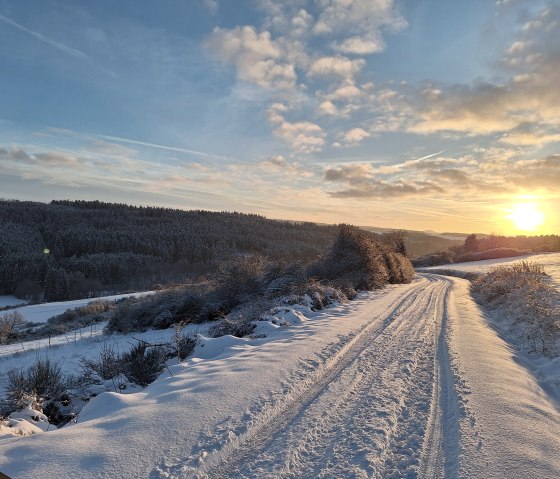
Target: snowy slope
x=509, y=426
x=10, y=301
x=550, y=261
x=40, y=313
x=405, y=382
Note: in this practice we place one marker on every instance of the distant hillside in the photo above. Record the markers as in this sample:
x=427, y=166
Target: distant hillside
x=419, y=243
x=72, y=248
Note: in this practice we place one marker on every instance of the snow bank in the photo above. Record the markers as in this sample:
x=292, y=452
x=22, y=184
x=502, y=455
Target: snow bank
x=510, y=427
x=550, y=261
x=40, y=313
x=26, y=422
x=10, y=301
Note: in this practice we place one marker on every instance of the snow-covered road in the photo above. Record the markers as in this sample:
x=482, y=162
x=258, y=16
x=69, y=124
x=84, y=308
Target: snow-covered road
x=410, y=381
x=365, y=415
x=425, y=389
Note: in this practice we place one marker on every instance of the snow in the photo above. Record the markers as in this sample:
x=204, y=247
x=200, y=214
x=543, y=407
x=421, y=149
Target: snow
x=413, y=380
x=550, y=261
x=10, y=301
x=40, y=313
x=510, y=427
x=68, y=349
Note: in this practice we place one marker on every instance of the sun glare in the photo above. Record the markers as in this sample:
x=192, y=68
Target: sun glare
x=526, y=216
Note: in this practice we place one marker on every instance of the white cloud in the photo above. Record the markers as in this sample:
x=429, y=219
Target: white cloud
x=359, y=46
x=211, y=5
x=328, y=108
x=257, y=57
x=345, y=92
x=336, y=66
x=356, y=135
x=303, y=136
x=359, y=21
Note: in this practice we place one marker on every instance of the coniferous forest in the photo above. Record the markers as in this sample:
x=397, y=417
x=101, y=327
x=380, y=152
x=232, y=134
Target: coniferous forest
x=72, y=249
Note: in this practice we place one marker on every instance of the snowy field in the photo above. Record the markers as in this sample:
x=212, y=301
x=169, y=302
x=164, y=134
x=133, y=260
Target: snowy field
x=40, y=313
x=550, y=261
x=10, y=301
x=409, y=381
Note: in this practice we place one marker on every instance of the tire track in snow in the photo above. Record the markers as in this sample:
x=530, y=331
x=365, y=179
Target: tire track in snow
x=364, y=413
x=440, y=452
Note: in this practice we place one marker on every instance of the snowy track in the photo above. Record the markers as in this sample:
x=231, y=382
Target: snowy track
x=406, y=382
x=367, y=413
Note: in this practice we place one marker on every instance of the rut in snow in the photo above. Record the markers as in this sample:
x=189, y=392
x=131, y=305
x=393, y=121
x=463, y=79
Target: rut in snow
x=369, y=412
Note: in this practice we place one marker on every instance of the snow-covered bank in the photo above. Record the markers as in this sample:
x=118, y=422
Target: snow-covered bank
x=510, y=427
x=40, y=313
x=11, y=301
x=550, y=261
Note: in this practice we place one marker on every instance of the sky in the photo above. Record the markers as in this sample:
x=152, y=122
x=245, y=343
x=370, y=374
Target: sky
x=410, y=114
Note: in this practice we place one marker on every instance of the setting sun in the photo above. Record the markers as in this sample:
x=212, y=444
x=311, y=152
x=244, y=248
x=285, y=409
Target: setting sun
x=526, y=216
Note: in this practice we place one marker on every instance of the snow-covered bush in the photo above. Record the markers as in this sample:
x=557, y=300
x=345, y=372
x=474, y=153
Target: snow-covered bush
x=522, y=295
x=241, y=276
x=399, y=268
x=40, y=387
x=143, y=363
x=153, y=311
x=184, y=344
x=363, y=261
x=107, y=365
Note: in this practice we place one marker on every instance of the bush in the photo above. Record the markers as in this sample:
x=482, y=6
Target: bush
x=8, y=323
x=434, y=259
x=494, y=253
x=184, y=344
x=521, y=294
x=157, y=310
x=108, y=365
x=143, y=363
x=165, y=309
x=41, y=383
x=241, y=277
x=363, y=261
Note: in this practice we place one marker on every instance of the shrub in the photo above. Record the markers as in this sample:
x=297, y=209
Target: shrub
x=8, y=323
x=493, y=253
x=143, y=363
x=108, y=365
x=241, y=276
x=184, y=344
x=41, y=383
x=239, y=327
x=521, y=294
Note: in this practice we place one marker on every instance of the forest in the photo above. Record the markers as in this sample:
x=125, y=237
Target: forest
x=71, y=249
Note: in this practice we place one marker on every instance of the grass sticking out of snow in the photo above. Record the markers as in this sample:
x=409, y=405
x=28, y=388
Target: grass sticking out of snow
x=522, y=296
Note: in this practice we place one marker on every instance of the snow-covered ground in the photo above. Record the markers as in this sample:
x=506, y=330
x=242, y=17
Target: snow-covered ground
x=40, y=313
x=550, y=261
x=10, y=301
x=404, y=382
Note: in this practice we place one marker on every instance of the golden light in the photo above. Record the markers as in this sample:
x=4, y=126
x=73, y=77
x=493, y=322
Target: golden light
x=526, y=216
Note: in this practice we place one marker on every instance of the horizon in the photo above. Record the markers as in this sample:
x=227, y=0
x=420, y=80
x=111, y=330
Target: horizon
x=428, y=232
x=400, y=115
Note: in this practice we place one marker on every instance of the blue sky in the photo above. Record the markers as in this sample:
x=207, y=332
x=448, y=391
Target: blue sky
x=406, y=114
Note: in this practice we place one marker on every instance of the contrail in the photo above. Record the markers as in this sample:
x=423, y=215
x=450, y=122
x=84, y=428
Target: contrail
x=163, y=147
x=59, y=46
x=429, y=156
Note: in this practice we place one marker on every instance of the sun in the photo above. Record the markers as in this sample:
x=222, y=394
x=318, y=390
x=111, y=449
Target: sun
x=526, y=216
